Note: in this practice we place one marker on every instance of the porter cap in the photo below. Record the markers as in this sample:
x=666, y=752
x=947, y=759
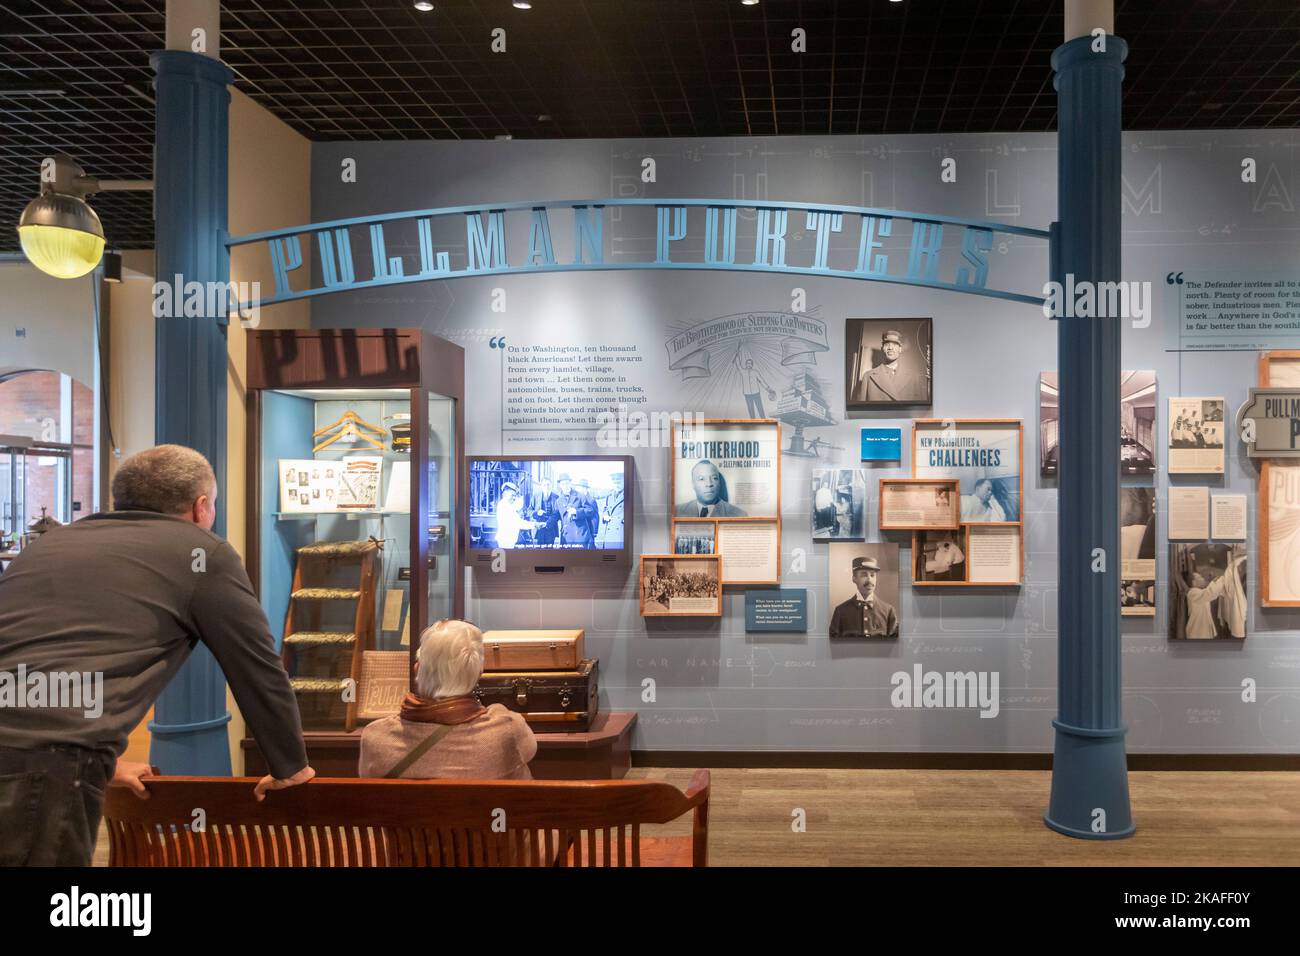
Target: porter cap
x=892, y=336
x=866, y=564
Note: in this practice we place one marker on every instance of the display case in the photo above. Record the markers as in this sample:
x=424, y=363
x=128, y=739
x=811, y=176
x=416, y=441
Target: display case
x=354, y=452
x=35, y=490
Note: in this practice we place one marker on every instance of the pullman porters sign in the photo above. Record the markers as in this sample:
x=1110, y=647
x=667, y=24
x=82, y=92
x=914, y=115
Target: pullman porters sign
x=936, y=252
x=1269, y=423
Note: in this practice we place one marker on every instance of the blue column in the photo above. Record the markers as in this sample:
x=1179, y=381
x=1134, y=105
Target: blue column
x=190, y=160
x=1089, y=772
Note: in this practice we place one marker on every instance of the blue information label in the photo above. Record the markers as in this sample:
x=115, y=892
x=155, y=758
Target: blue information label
x=882, y=444
x=776, y=609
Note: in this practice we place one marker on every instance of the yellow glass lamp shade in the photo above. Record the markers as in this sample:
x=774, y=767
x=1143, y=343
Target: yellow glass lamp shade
x=61, y=235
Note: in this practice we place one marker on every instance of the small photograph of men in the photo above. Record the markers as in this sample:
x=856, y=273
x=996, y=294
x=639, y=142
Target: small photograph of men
x=938, y=556
x=889, y=362
x=838, y=504
x=864, y=591
x=711, y=496
x=694, y=537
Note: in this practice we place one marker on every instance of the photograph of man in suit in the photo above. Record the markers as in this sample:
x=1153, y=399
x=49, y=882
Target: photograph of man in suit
x=890, y=381
x=574, y=512
x=865, y=614
x=543, y=512
x=710, y=495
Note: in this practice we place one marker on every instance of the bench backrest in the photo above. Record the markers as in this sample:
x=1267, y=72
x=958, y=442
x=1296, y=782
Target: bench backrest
x=214, y=821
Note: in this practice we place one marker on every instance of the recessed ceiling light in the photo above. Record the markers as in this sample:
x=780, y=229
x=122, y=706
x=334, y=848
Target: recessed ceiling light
x=424, y=6
x=749, y=3
x=522, y=5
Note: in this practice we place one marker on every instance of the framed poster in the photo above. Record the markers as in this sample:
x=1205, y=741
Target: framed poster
x=1196, y=436
x=1278, y=502
x=1279, y=533
x=920, y=504
x=839, y=504
x=750, y=550
x=1207, y=591
x=864, y=591
x=1137, y=548
x=727, y=468
x=674, y=585
x=1137, y=415
x=888, y=363
x=982, y=454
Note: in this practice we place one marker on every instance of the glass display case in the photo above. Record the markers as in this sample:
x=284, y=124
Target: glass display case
x=352, y=535
x=36, y=488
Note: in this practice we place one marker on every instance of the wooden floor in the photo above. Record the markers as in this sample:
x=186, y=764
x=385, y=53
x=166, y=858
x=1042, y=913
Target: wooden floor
x=982, y=817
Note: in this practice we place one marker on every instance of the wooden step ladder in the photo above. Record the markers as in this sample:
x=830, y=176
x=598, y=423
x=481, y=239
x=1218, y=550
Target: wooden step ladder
x=321, y=662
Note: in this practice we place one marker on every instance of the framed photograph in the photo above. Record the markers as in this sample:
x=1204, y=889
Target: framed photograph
x=864, y=591
x=750, y=550
x=1278, y=502
x=889, y=363
x=839, y=504
x=692, y=536
x=1207, y=591
x=674, y=585
x=727, y=468
x=1279, y=533
x=939, y=557
x=982, y=454
x=994, y=554
x=920, y=504
x=1137, y=409
x=1196, y=436
x=1137, y=548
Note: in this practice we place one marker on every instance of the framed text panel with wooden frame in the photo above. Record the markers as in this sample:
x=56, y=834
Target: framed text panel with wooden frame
x=920, y=504
x=1278, y=505
x=726, y=468
x=750, y=550
x=681, y=585
x=985, y=455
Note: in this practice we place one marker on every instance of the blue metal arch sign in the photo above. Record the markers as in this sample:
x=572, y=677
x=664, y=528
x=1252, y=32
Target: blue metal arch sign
x=703, y=234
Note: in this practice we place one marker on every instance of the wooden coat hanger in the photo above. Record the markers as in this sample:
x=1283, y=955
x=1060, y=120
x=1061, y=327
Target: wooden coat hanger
x=350, y=427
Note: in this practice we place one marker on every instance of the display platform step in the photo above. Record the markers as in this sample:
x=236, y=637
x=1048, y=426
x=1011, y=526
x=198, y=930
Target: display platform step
x=355, y=550
x=325, y=594
x=320, y=638
x=317, y=685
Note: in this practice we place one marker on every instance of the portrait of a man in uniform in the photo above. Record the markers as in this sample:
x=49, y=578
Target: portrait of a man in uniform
x=889, y=362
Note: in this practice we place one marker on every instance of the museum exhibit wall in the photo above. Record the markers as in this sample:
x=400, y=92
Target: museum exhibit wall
x=1187, y=212
x=264, y=193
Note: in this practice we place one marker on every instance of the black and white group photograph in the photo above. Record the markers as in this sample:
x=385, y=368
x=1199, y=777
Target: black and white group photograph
x=680, y=585
x=1196, y=436
x=839, y=504
x=889, y=363
x=1207, y=591
x=694, y=537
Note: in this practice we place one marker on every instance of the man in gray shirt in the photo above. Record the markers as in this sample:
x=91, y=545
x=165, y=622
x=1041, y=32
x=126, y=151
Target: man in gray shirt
x=95, y=619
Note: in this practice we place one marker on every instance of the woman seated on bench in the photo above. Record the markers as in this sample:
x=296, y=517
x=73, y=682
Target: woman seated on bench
x=442, y=731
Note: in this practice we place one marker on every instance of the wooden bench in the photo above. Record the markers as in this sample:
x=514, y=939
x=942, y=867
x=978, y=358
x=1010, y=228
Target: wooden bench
x=363, y=823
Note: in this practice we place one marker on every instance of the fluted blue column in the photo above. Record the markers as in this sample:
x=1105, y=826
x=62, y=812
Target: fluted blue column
x=191, y=136
x=1089, y=772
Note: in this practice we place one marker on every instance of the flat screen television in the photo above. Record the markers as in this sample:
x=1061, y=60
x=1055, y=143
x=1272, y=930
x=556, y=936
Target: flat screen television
x=552, y=511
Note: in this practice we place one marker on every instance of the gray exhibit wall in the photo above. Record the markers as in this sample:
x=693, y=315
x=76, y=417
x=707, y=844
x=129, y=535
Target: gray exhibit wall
x=706, y=684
